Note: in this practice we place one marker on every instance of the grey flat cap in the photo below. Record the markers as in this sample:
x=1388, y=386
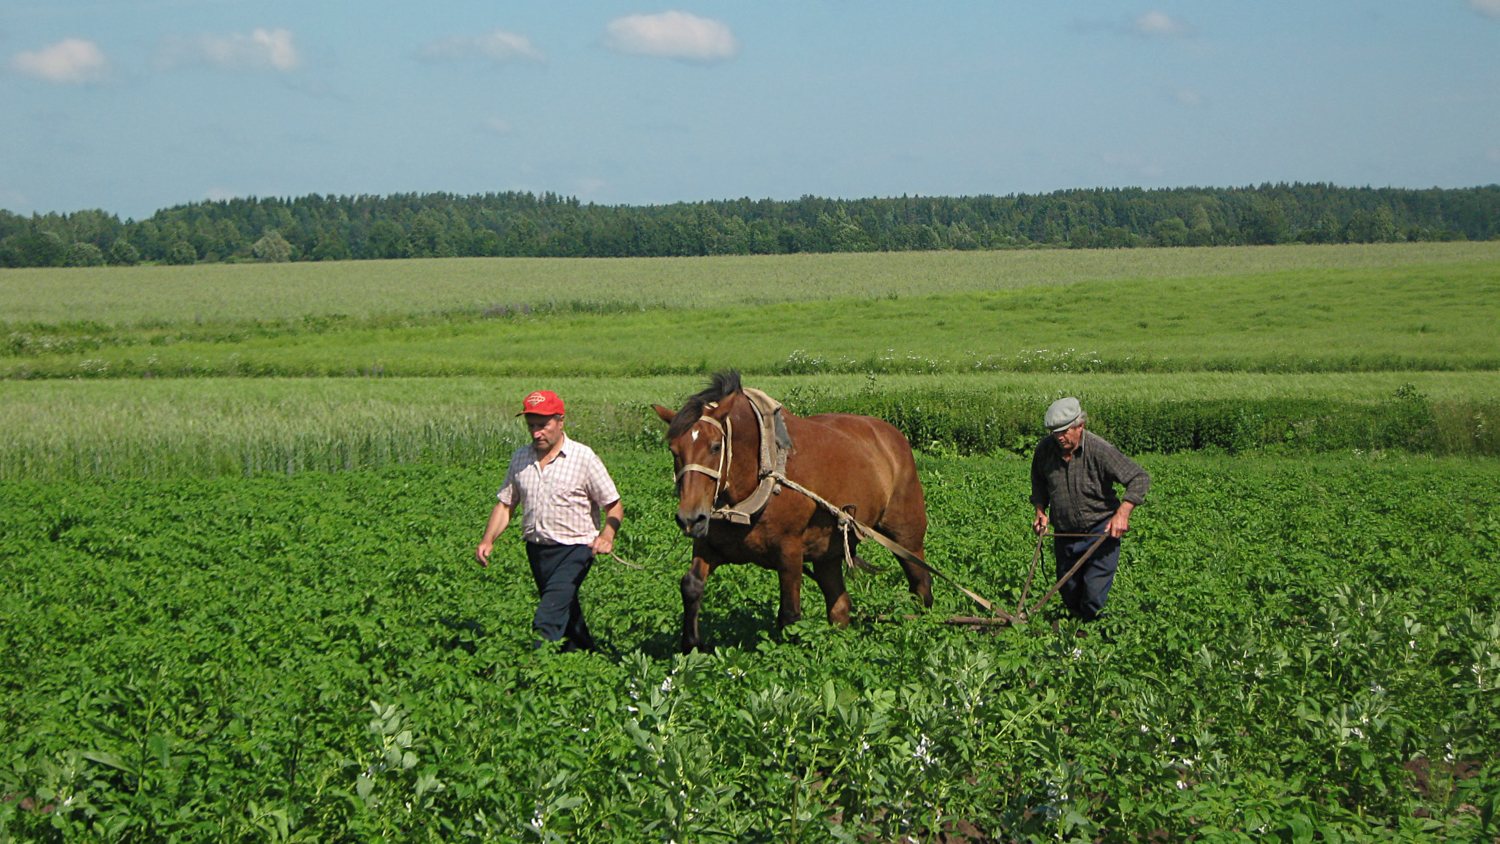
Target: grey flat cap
x=1062, y=413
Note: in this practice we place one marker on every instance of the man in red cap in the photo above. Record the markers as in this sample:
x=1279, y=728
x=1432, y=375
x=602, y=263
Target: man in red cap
x=562, y=488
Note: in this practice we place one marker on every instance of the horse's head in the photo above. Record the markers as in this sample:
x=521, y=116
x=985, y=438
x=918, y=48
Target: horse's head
x=705, y=458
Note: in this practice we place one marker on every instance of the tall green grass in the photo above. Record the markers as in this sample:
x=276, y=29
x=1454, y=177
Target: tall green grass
x=209, y=427
x=145, y=438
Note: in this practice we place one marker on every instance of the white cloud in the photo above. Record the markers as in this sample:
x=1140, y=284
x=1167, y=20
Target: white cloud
x=262, y=49
x=498, y=46
x=1488, y=8
x=672, y=35
x=1190, y=98
x=1493, y=154
x=71, y=60
x=1158, y=23
x=498, y=125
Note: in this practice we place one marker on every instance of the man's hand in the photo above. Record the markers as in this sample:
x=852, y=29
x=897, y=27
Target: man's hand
x=1120, y=521
x=1039, y=524
x=604, y=543
x=499, y=520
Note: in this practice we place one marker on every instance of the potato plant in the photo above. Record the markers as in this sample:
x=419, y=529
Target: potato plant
x=1296, y=649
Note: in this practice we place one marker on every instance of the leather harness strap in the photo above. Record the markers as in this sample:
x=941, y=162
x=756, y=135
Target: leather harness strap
x=772, y=458
x=716, y=474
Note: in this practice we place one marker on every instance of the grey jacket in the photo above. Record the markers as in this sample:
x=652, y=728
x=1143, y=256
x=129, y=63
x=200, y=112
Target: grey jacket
x=1080, y=493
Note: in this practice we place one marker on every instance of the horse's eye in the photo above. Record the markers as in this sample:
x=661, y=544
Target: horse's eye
x=715, y=448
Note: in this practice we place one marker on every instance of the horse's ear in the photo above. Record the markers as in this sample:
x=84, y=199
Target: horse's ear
x=666, y=415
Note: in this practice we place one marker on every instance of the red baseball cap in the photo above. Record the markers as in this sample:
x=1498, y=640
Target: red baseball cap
x=544, y=402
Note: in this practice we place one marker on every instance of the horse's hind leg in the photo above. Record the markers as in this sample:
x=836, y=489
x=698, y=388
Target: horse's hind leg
x=905, y=523
x=919, y=580
x=829, y=575
x=692, y=599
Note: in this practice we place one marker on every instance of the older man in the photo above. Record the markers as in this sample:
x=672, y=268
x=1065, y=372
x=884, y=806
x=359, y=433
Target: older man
x=561, y=487
x=1073, y=474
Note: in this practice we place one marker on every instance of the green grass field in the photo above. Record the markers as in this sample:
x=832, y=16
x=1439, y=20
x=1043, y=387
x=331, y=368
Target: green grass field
x=246, y=292
x=246, y=608
x=1421, y=316
x=1256, y=326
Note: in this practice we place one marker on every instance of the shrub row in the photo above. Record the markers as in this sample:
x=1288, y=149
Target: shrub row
x=982, y=423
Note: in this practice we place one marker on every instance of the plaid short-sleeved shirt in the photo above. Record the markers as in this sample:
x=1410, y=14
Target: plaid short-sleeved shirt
x=560, y=504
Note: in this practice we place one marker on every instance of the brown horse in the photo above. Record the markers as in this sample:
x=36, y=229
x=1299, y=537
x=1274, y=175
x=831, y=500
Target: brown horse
x=859, y=464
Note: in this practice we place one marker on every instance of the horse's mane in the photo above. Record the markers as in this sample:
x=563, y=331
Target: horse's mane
x=720, y=386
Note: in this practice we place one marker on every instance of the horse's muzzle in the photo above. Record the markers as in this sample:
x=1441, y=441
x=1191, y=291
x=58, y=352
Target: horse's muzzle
x=694, y=523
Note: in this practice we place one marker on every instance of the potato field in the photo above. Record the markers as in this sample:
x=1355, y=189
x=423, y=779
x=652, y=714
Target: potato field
x=239, y=608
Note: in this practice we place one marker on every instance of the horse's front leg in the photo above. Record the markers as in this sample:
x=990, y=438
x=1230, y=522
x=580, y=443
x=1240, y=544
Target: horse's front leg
x=692, y=599
x=789, y=571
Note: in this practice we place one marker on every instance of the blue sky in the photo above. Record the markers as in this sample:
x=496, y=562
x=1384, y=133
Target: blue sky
x=136, y=105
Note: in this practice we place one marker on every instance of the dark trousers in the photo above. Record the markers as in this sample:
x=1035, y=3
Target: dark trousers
x=1085, y=592
x=558, y=571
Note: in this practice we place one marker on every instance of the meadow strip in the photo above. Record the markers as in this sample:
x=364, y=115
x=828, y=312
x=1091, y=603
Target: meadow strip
x=1434, y=317
x=216, y=293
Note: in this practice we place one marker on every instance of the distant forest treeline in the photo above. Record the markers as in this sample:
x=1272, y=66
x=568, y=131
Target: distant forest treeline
x=319, y=228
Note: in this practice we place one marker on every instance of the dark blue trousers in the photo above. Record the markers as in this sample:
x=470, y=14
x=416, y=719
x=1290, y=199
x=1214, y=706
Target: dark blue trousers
x=1085, y=592
x=558, y=571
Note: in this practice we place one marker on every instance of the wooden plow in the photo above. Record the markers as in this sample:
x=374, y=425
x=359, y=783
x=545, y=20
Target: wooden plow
x=1021, y=614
